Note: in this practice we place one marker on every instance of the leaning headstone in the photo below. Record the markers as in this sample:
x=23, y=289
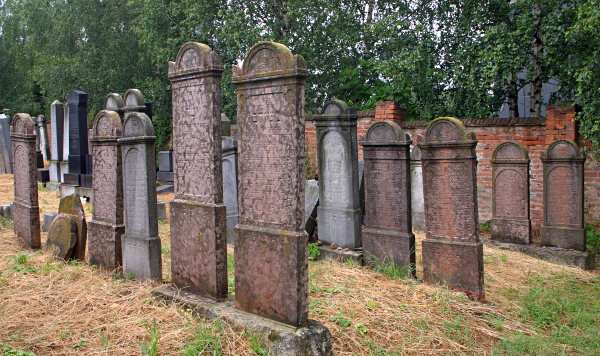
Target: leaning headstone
x=311, y=204
x=141, y=248
x=78, y=140
x=339, y=211
x=271, y=246
x=62, y=237
x=6, y=163
x=72, y=206
x=388, y=235
x=57, y=122
x=510, y=194
x=452, y=252
x=198, y=214
x=48, y=217
x=230, y=182
x=25, y=212
x=563, y=196
x=417, y=200
x=107, y=226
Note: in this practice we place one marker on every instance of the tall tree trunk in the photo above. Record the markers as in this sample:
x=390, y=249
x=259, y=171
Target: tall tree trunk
x=367, y=38
x=536, y=79
x=513, y=96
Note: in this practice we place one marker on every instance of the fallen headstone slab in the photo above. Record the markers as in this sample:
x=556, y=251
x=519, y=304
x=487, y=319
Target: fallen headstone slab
x=71, y=205
x=62, y=236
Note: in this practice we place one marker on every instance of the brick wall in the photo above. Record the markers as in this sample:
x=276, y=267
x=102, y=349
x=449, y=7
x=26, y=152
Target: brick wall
x=534, y=133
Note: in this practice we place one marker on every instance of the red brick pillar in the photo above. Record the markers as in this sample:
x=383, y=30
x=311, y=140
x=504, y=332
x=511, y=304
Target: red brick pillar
x=560, y=122
x=390, y=110
x=310, y=147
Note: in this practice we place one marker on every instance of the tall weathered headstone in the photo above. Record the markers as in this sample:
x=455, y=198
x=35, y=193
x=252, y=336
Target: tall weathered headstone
x=230, y=183
x=271, y=246
x=78, y=140
x=64, y=165
x=563, y=196
x=388, y=233
x=510, y=193
x=57, y=122
x=452, y=252
x=107, y=225
x=25, y=212
x=141, y=250
x=6, y=145
x=198, y=214
x=416, y=181
x=339, y=211
x=43, y=138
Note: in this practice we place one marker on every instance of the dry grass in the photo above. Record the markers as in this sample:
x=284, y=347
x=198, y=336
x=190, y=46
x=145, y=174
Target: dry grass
x=51, y=307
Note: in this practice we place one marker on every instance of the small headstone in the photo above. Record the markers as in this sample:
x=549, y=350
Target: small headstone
x=48, y=217
x=339, y=211
x=452, y=252
x=311, y=202
x=230, y=182
x=198, y=213
x=510, y=194
x=43, y=138
x=388, y=235
x=161, y=210
x=71, y=205
x=417, y=201
x=62, y=237
x=5, y=211
x=141, y=244
x=563, y=196
x=57, y=122
x=165, y=166
x=6, y=149
x=225, y=125
x=25, y=212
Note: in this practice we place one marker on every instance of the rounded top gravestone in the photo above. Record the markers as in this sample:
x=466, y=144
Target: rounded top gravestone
x=23, y=124
x=107, y=124
x=137, y=125
x=510, y=151
x=269, y=59
x=447, y=130
x=134, y=98
x=564, y=149
x=62, y=236
x=195, y=57
x=113, y=101
x=385, y=132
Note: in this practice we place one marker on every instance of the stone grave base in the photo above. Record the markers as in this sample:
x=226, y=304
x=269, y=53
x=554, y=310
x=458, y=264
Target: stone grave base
x=141, y=256
x=459, y=265
x=511, y=230
x=340, y=255
x=580, y=259
x=279, y=339
x=340, y=226
x=104, y=244
x=381, y=246
x=562, y=236
x=199, y=248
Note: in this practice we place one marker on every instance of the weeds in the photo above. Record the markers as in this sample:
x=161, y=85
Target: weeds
x=151, y=348
x=7, y=350
x=6, y=222
x=206, y=341
x=313, y=252
x=256, y=345
x=390, y=269
x=484, y=228
x=592, y=237
x=231, y=273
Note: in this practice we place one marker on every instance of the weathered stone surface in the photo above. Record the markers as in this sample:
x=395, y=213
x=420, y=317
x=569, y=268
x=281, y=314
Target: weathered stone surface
x=452, y=252
x=62, y=236
x=225, y=125
x=198, y=214
x=48, y=217
x=107, y=226
x=6, y=148
x=141, y=249
x=25, y=212
x=563, y=196
x=230, y=183
x=417, y=200
x=510, y=193
x=71, y=205
x=388, y=232
x=165, y=161
x=57, y=121
x=44, y=145
x=271, y=246
x=339, y=211
x=311, y=203
x=161, y=210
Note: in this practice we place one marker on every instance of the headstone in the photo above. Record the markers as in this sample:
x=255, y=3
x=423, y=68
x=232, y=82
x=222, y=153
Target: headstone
x=48, y=217
x=388, y=235
x=311, y=204
x=72, y=206
x=361, y=187
x=57, y=122
x=134, y=102
x=6, y=163
x=161, y=210
x=141, y=248
x=78, y=140
x=417, y=200
x=271, y=246
x=5, y=211
x=64, y=165
x=225, y=125
x=62, y=236
x=43, y=138
x=563, y=196
x=198, y=214
x=230, y=183
x=165, y=166
x=107, y=226
x=510, y=194
x=25, y=212
x=339, y=211
x=452, y=252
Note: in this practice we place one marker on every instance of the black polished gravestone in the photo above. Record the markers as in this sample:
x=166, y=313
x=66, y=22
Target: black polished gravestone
x=79, y=174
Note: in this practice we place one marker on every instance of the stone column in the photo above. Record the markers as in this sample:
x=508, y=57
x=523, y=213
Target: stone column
x=337, y=150
x=43, y=130
x=230, y=183
x=416, y=181
x=563, y=196
x=107, y=226
x=56, y=143
x=198, y=214
x=141, y=243
x=271, y=246
x=388, y=233
x=452, y=252
x=25, y=212
x=78, y=140
x=510, y=193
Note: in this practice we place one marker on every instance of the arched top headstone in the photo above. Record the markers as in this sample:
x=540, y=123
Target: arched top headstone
x=78, y=98
x=385, y=131
x=113, y=101
x=447, y=129
x=563, y=149
x=134, y=97
x=137, y=124
x=195, y=57
x=23, y=124
x=41, y=120
x=415, y=153
x=510, y=151
x=107, y=124
x=270, y=59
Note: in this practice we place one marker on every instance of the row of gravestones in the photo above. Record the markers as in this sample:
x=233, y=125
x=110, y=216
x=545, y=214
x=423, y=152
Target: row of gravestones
x=270, y=241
